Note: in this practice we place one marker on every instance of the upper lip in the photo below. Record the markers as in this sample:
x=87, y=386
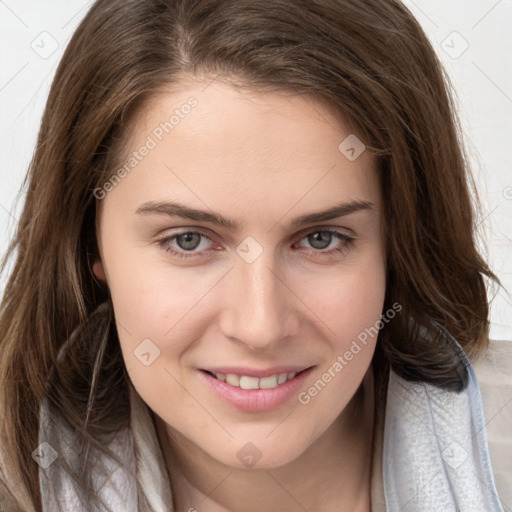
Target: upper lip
x=257, y=372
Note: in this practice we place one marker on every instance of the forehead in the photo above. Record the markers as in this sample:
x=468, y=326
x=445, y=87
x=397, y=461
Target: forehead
x=212, y=143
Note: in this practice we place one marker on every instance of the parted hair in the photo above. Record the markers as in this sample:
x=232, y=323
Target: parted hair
x=368, y=59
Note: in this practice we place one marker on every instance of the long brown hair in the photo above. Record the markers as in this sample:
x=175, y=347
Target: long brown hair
x=369, y=59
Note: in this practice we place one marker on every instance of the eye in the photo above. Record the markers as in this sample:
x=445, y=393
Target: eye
x=187, y=243
x=322, y=239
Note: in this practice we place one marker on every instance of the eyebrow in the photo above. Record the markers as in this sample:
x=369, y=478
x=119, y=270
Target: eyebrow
x=179, y=210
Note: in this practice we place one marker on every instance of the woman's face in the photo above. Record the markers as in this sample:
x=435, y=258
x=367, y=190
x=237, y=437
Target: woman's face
x=226, y=275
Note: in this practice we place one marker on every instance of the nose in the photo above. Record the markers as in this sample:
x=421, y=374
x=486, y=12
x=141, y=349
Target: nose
x=259, y=305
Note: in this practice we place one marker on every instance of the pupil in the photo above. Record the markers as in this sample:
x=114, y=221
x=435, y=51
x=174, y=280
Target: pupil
x=191, y=241
x=316, y=239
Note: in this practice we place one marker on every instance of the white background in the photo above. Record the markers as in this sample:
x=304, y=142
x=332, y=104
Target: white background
x=34, y=33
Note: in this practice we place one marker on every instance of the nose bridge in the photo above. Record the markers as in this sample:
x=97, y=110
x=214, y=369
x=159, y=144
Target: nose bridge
x=258, y=312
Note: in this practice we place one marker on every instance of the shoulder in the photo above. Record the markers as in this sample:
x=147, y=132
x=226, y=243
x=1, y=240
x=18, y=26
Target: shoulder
x=493, y=371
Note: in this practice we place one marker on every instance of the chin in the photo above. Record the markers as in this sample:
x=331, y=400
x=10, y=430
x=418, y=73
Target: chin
x=260, y=453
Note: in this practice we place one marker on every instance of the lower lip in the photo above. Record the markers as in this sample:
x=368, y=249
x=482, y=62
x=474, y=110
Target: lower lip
x=256, y=400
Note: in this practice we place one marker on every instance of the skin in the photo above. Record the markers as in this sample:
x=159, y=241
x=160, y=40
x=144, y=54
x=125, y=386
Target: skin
x=261, y=159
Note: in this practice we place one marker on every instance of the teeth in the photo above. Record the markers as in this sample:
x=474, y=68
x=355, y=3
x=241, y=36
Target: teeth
x=249, y=382
x=283, y=377
x=233, y=379
x=246, y=382
x=269, y=382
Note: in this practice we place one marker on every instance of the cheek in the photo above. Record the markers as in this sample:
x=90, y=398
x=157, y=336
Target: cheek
x=349, y=301
x=350, y=306
x=153, y=305
x=154, y=310
x=151, y=297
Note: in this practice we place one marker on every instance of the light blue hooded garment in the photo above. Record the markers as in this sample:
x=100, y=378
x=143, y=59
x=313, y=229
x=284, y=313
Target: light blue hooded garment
x=435, y=454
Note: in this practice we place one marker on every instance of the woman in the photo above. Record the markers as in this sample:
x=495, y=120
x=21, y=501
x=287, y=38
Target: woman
x=246, y=275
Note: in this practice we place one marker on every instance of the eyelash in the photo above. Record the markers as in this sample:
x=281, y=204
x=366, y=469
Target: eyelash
x=347, y=242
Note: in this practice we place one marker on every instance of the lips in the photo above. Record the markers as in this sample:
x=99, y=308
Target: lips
x=253, y=390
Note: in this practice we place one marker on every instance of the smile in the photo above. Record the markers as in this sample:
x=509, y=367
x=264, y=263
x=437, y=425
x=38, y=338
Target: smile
x=260, y=392
x=247, y=382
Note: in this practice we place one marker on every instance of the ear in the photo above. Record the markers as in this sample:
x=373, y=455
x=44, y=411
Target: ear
x=99, y=271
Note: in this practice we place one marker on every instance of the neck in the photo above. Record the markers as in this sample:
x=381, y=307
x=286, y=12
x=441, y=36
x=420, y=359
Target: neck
x=333, y=474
